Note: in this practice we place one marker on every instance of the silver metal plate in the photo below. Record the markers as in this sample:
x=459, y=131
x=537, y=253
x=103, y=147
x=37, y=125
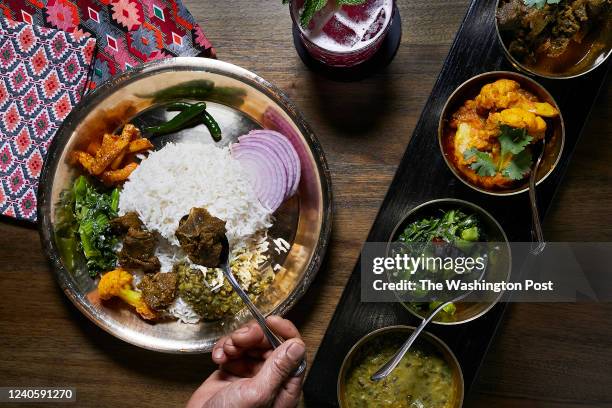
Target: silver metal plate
x=304, y=220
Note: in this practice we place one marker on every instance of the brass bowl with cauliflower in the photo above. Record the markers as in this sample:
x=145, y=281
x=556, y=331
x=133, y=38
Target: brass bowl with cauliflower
x=492, y=128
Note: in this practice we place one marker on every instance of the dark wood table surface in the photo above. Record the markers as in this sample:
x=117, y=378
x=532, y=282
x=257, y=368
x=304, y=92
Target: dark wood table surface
x=545, y=355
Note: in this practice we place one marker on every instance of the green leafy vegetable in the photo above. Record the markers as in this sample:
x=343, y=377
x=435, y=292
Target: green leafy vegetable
x=310, y=8
x=452, y=226
x=514, y=161
x=84, y=226
x=455, y=227
x=483, y=166
x=66, y=229
x=540, y=3
x=513, y=140
x=519, y=166
x=451, y=309
x=470, y=234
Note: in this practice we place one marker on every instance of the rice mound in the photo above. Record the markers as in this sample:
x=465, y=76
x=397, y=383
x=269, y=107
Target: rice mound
x=178, y=177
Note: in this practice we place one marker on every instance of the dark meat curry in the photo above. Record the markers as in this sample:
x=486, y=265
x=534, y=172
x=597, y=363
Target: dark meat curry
x=159, y=290
x=138, y=251
x=556, y=38
x=121, y=225
x=201, y=235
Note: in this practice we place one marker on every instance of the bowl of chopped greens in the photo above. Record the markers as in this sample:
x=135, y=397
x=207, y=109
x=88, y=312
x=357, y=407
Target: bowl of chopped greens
x=555, y=39
x=462, y=228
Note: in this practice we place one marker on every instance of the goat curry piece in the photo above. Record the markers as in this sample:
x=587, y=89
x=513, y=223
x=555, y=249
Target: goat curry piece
x=138, y=251
x=489, y=138
x=201, y=236
x=159, y=290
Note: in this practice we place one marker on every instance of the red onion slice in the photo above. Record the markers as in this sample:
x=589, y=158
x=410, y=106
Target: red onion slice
x=276, y=150
x=267, y=172
x=286, y=151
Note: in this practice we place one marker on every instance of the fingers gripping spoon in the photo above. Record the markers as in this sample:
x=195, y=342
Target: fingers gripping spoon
x=274, y=340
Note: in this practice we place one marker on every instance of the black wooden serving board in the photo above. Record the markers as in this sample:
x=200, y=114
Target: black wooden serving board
x=422, y=176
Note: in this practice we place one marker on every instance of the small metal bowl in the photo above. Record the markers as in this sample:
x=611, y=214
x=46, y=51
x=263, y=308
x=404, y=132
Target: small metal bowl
x=404, y=332
x=468, y=90
x=589, y=62
x=138, y=96
x=469, y=309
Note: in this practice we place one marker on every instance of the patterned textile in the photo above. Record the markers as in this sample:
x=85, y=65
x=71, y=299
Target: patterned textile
x=43, y=74
x=128, y=32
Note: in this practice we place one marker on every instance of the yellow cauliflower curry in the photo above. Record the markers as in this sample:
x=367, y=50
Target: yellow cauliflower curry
x=490, y=138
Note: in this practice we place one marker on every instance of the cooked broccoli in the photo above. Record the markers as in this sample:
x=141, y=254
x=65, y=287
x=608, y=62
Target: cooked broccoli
x=118, y=283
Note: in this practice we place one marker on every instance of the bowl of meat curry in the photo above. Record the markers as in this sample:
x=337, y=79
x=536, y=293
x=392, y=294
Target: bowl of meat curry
x=493, y=128
x=556, y=39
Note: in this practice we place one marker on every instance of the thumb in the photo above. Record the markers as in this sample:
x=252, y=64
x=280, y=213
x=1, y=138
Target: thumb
x=279, y=367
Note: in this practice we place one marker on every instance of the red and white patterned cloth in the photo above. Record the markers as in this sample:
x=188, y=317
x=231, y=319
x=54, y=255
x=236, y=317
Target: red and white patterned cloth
x=36, y=90
x=129, y=32
x=43, y=74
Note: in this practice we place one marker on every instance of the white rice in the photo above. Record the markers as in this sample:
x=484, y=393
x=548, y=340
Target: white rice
x=178, y=177
x=182, y=311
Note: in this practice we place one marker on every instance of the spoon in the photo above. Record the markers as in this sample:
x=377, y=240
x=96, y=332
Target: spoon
x=533, y=200
x=390, y=365
x=274, y=340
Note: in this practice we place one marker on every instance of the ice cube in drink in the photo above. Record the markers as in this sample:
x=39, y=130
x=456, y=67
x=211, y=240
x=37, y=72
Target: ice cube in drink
x=345, y=35
x=376, y=26
x=362, y=12
x=341, y=34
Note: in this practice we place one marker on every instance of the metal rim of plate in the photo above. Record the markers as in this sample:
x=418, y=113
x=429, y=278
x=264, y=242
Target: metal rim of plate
x=479, y=211
x=530, y=71
x=65, y=132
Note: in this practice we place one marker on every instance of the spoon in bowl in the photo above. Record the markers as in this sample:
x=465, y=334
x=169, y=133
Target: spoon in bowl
x=390, y=365
x=274, y=340
x=540, y=243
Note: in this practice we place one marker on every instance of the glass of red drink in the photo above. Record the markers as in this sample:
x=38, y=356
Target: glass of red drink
x=345, y=36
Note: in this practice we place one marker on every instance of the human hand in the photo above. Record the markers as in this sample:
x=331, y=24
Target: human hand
x=251, y=373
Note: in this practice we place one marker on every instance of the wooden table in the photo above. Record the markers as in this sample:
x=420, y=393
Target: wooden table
x=545, y=354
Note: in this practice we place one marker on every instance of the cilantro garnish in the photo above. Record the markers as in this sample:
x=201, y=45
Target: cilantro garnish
x=513, y=140
x=514, y=161
x=540, y=3
x=483, y=166
x=312, y=6
x=519, y=166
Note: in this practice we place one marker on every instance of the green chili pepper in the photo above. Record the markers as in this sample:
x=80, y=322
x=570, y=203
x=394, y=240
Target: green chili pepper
x=178, y=122
x=228, y=95
x=180, y=106
x=207, y=119
x=212, y=125
x=195, y=89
